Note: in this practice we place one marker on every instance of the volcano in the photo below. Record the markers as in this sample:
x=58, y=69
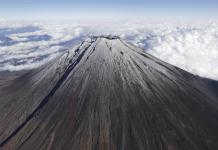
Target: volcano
x=107, y=94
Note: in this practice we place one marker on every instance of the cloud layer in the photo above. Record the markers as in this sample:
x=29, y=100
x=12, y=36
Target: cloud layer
x=190, y=46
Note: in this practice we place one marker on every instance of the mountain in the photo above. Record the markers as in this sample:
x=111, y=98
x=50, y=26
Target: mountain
x=106, y=94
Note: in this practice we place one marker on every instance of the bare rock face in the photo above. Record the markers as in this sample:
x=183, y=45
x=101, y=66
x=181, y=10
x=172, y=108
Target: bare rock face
x=108, y=95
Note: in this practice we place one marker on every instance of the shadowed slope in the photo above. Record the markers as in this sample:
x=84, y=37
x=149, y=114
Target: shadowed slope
x=108, y=95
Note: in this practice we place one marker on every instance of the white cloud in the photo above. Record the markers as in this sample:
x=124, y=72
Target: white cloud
x=190, y=46
x=28, y=64
x=192, y=49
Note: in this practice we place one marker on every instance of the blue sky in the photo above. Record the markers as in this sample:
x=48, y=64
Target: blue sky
x=76, y=9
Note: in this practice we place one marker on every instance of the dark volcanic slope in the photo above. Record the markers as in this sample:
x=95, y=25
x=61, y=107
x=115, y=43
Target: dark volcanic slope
x=108, y=95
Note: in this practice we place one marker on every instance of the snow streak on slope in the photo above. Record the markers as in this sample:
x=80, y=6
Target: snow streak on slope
x=190, y=46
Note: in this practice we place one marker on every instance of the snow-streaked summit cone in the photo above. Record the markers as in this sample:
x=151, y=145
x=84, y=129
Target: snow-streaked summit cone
x=106, y=94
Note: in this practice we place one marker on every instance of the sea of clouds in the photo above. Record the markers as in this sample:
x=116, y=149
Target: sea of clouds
x=192, y=46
